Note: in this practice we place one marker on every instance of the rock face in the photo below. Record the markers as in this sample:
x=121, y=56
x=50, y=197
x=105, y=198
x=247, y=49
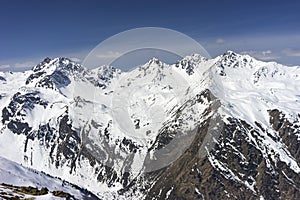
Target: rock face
x=222, y=128
x=223, y=173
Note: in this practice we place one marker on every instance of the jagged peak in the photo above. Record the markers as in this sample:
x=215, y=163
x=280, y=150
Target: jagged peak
x=230, y=52
x=195, y=57
x=156, y=61
x=54, y=73
x=153, y=63
x=60, y=63
x=232, y=59
x=231, y=55
x=239, y=56
x=188, y=63
x=42, y=64
x=106, y=72
x=106, y=68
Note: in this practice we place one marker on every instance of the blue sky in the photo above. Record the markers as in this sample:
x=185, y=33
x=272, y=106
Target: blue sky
x=32, y=29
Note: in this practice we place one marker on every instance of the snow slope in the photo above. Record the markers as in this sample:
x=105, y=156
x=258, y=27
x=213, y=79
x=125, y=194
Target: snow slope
x=18, y=175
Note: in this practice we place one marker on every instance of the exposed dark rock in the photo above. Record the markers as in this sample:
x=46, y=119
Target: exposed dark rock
x=196, y=177
x=41, y=65
x=2, y=78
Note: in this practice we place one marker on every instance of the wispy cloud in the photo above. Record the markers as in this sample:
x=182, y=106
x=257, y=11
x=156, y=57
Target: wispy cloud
x=75, y=59
x=109, y=54
x=262, y=55
x=220, y=41
x=4, y=66
x=291, y=52
x=24, y=64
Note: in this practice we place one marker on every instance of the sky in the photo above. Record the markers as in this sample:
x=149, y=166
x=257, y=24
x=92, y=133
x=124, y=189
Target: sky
x=32, y=30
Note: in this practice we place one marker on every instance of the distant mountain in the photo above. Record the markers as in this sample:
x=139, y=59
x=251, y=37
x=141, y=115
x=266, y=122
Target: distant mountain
x=221, y=128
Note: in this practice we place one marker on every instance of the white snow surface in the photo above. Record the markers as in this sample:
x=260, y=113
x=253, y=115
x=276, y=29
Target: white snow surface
x=17, y=175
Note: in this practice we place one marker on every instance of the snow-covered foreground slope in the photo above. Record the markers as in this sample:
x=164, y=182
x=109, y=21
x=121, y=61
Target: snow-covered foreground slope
x=14, y=174
x=231, y=121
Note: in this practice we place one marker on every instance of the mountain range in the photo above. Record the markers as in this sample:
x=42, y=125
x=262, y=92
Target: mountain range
x=220, y=128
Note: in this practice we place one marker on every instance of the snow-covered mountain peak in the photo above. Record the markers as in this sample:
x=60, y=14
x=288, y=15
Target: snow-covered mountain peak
x=154, y=63
x=62, y=72
x=54, y=73
x=106, y=72
x=189, y=63
x=233, y=60
x=197, y=58
x=151, y=70
x=246, y=82
x=68, y=65
x=42, y=64
x=60, y=64
x=153, y=60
